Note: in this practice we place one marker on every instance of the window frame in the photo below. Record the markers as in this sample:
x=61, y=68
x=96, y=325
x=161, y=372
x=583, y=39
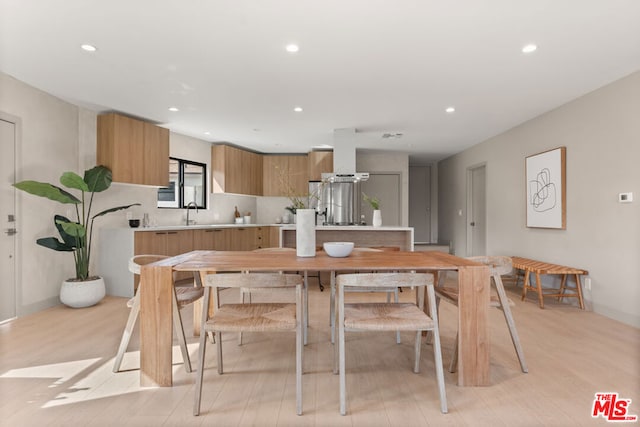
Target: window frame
x=182, y=163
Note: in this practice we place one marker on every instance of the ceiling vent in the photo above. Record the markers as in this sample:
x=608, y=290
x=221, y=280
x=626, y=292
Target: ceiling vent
x=391, y=135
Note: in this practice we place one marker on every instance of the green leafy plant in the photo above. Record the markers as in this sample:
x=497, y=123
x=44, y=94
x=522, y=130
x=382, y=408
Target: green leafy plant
x=75, y=235
x=373, y=201
x=297, y=201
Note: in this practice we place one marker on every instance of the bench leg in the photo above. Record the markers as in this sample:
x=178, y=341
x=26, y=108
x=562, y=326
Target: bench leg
x=525, y=285
x=539, y=287
x=579, y=291
x=563, y=286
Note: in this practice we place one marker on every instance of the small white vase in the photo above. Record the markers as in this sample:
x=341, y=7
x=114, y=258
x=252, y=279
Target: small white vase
x=82, y=294
x=377, y=218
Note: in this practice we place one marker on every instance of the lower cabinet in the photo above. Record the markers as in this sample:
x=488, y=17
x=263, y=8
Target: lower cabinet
x=117, y=246
x=214, y=239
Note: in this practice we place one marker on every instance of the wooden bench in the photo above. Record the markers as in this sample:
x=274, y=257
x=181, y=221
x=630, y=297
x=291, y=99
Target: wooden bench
x=529, y=266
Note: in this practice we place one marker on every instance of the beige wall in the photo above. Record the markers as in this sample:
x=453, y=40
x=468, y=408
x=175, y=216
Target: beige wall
x=601, y=131
x=48, y=144
x=389, y=162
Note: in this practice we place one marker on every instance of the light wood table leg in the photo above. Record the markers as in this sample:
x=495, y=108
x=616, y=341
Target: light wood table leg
x=473, y=335
x=156, y=326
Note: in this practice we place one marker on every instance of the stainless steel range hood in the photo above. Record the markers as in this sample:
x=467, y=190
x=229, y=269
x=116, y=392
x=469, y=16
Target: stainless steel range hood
x=345, y=177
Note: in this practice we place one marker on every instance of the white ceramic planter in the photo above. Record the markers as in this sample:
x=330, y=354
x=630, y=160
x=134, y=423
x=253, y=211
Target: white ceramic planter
x=82, y=294
x=377, y=218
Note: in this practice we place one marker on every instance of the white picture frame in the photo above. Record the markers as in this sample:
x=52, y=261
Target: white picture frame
x=546, y=189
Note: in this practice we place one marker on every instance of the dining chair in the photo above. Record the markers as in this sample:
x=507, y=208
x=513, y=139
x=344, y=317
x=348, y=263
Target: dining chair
x=389, y=290
x=184, y=293
x=248, y=292
x=375, y=316
x=250, y=317
x=498, y=266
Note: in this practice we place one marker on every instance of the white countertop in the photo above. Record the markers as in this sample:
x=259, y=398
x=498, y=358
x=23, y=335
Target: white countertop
x=350, y=228
x=283, y=226
x=197, y=226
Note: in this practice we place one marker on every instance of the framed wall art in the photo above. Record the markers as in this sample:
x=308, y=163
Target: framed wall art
x=546, y=189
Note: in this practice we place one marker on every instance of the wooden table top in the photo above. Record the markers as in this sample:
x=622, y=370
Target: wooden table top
x=221, y=261
x=541, y=267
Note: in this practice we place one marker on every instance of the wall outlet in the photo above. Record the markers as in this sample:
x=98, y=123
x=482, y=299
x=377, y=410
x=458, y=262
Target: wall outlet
x=129, y=215
x=587, y=284
x=625, y=197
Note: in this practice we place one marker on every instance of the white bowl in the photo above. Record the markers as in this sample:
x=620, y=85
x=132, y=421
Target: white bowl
x=338, y=249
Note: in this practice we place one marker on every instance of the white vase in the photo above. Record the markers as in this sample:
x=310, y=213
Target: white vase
x=306, y=232
x=377, y=218
x=82, y=294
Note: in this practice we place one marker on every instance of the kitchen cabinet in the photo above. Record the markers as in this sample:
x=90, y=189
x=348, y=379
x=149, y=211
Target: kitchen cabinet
x=118, y=245
x=285, y=175
x=235, y=171
x=320, y=162
x=244, y=239
x=216, y=239
x=137, y=152
x=168, y=243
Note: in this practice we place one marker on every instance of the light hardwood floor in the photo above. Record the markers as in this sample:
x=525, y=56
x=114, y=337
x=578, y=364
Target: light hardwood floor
x=55, y=370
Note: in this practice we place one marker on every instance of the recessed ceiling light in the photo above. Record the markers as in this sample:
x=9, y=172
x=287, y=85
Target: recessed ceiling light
x=174, y=109
x=88, y=47
x=529, y=48
x=298, y=109
x=450, y=109
x=292, y=48
x=207, y=133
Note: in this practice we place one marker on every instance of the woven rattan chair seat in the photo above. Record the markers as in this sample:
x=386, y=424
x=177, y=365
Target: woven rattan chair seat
x=385, y=317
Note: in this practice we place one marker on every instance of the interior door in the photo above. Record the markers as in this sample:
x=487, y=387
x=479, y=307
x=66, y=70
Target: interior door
x=7, y=217
x=386, y=187
x=476, y=211
x=420, y=203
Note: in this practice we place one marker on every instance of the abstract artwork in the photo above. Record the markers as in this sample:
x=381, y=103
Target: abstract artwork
x=546, y=189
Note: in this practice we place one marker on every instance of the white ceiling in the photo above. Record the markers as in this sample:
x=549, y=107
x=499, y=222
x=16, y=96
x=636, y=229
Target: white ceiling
x=379, y=66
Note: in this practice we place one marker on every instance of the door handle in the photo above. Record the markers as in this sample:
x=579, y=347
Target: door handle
x=472, y=223
x=10, y=231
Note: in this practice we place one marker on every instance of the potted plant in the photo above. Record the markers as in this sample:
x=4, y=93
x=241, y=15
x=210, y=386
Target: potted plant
x=84, y=290
x=374, y=202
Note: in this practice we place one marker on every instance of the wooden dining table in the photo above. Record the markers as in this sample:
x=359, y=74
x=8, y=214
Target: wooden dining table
x=156, y=325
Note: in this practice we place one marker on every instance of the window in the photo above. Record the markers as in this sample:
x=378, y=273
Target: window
x=187, y=183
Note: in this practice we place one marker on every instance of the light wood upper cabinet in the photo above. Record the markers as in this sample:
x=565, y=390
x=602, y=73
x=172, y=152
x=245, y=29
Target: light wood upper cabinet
x=155, y=162
x=137, y=152
x=320, y=162
x=235, y=171
x=285, y=175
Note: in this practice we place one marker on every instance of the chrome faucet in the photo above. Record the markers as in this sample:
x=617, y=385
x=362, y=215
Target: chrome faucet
x=195, y=205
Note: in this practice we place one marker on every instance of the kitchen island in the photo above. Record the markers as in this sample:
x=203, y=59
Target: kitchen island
x=360, y=235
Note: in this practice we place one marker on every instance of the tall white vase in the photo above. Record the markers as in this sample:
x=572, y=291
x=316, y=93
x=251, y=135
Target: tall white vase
x=306, y=232
x=377, y=218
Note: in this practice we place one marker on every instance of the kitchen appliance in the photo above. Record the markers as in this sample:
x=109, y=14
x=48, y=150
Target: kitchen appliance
x=337, y=198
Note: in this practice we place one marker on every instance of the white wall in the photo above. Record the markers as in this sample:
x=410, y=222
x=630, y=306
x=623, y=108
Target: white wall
x=48, y=146
x=389, y=162
x=601, y=131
